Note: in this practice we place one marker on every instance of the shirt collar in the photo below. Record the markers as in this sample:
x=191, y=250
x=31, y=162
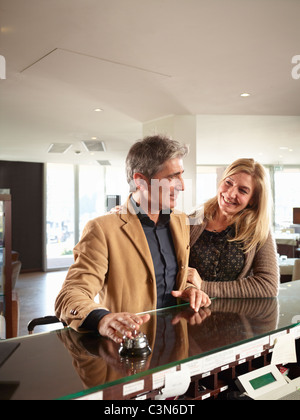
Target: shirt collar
x=164, y=218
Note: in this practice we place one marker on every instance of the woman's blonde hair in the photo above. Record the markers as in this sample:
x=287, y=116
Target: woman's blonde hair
x=252, y=224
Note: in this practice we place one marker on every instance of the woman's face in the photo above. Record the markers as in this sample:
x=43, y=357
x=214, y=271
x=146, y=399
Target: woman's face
x=235, y=193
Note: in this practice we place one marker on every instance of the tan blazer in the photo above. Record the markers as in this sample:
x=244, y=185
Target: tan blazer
x=113, y=261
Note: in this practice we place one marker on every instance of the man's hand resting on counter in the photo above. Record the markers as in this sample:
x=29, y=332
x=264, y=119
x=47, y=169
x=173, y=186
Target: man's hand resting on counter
x=117, y=325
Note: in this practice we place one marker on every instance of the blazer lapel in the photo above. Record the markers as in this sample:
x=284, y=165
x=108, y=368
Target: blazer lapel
x=133, y=229
x=178, y=236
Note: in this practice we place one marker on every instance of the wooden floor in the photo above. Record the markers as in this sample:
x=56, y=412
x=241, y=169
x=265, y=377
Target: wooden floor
x=37, y=293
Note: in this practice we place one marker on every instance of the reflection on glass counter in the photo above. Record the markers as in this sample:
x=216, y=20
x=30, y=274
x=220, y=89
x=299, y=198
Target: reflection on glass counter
x=65, y=364
x=176, y=334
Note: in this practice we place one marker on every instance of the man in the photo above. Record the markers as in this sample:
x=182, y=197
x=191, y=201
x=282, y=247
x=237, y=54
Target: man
x=136, y=260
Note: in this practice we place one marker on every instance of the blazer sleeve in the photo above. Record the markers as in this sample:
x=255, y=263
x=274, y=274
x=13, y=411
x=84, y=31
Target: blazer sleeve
x=85, y=278
x=261, y=279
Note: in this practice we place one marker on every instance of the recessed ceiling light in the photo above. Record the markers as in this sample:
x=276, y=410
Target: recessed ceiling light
x=104, y=162
x=94, y=146
x=98, y=110
x=59, y=147
x=245, y=95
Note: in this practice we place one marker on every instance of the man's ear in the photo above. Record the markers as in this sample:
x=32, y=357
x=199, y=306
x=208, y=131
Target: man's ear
x=141, y=181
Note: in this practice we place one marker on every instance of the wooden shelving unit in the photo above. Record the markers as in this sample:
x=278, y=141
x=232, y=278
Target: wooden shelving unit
x=6, y=247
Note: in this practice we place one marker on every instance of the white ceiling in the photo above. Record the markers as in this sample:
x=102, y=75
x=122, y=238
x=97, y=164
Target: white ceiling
x=140, y=60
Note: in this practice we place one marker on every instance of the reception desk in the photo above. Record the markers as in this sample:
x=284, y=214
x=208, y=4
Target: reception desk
x=215, y=345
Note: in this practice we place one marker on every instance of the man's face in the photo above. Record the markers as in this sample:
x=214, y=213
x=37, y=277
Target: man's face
x=166, y=185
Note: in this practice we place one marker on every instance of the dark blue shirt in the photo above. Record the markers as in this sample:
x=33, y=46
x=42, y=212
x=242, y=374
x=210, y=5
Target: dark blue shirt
x=162, y=250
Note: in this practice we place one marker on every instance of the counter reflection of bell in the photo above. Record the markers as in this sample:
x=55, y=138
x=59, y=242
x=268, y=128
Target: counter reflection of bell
x=134, y=352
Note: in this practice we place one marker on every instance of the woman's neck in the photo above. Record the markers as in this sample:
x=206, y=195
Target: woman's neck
x=219, y=223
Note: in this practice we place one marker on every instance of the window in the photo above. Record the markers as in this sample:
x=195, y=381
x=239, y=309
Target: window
x=206, y=183
x=91, y=194
x=116, y=183
x=75, y=195
x=60, y=215
x=287, y=195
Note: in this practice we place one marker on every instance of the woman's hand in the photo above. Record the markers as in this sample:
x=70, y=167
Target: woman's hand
x=192, y=318
x=197, y=298
x=194, y=278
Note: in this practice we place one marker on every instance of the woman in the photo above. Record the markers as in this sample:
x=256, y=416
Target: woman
x=233, y=253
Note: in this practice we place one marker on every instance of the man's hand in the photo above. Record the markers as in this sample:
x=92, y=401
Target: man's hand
x=117, y=325
x=197, y=298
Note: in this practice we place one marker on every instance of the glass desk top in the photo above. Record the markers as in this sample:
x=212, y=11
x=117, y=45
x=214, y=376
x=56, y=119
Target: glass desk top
x=64, y=363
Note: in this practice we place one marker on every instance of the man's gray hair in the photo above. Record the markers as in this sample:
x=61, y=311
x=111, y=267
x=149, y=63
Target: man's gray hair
x=147, y=156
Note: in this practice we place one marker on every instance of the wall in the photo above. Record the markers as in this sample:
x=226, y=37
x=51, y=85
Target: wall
x=25, y=181
x=269, y=139
x=182, y=128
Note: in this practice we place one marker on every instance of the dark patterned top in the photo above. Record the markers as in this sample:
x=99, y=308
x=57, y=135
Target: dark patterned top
x=215, y=258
